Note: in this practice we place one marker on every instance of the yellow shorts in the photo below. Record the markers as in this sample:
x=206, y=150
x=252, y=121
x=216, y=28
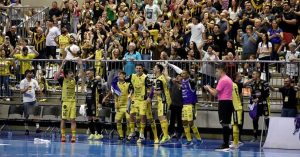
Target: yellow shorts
x=138, y=107
x=162, y=109
x=236, y=117
x=187, y=113
x=121, y=113
x=68, y=110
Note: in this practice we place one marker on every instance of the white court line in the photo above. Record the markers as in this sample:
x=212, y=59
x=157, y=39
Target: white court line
x=4, y=144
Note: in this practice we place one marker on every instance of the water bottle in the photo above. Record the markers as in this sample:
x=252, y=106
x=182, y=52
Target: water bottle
x=9, y=135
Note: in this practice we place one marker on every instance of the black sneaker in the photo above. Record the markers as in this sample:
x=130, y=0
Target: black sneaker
x=223, y=147
x=254, y=140
x=38, y=130
x=27, y=132
x=189, y=143
x=173, y=136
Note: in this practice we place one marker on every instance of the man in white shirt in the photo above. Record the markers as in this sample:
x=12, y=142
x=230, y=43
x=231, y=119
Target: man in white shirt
x=73, y=53
x=197, y=32
x=51, y=33
x=292, y=69
x=28, y=87
x=151, y=12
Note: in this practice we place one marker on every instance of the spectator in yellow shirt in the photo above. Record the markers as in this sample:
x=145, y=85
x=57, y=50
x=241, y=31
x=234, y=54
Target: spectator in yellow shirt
x=24, y=56
x=5, y=65
x=63, y=41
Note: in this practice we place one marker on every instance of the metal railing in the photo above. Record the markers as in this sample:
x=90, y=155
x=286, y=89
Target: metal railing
x=202, y=71
x=40, y=17
x=19, y=14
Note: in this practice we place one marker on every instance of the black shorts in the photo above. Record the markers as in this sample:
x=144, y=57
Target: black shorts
x=91, y=109
x=225, y=111
x=262, y=109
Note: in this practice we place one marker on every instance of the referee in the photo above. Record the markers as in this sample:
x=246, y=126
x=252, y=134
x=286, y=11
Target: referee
x=225, y=107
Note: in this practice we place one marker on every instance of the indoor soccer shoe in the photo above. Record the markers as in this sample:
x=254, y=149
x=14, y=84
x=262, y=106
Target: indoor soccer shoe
x=98, y=137
x=156, y=141
x=189, y=143
x=165, y=139
x=223, y=147
x=199, y=142
x=27, y=132
x=254, y=140
x=141, y=138
x=131, y=136
x=63, y=139
x=73, y=140
x=91, y=137
x=233, y=146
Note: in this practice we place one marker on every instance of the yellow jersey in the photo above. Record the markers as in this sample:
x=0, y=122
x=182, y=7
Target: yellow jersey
x=68, y=90
x=25, y=65
x=123, y=98
x=5, y=67
x=64, y=41
x=154, y=33
x=1, y=39
x=236, y=100
x=139, y=87
x=161, y=84
x=98, y=57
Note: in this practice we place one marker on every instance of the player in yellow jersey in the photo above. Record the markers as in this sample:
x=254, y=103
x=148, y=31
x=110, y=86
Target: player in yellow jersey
x=189, y=100
x=140, y=100
x=68, y=83
x=162, y=94
x=236, y=116
x=121, y=99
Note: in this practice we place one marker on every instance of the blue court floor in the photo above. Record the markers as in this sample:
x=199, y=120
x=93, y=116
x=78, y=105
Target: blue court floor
x=24, y=146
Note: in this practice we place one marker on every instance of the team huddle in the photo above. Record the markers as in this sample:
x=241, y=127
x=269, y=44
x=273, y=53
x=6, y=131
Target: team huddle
x=133, y=99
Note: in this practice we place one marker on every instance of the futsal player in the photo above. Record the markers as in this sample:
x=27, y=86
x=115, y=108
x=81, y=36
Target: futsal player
x=225, y=107
x=93, y=99
x=121, y=100
x=68, y=83
x=189, y=97
x=162, y=94
x=260, y=92
x=236, y=119
x=140, y=101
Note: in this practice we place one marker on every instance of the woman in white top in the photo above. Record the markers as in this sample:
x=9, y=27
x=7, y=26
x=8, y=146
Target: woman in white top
x=208, y=71
x=233, y=11
x=264, y=51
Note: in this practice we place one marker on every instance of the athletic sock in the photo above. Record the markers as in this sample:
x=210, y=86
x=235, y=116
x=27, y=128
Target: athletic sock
x=164, y=127
x=235, y=134
x=196, y=132
x=187, y=131
x=154, y=130
x=120, y=130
